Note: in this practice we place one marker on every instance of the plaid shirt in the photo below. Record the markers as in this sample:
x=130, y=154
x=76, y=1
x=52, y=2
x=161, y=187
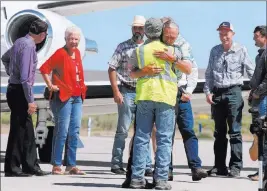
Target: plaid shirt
x=226, y=69
x=120, y=61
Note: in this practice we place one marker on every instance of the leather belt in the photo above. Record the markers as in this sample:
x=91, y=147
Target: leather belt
x=225, y=89
x=127, y=86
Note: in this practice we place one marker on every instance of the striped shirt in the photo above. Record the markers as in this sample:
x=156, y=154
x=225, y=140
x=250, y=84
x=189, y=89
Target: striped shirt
x=191, y=80
x=120, y=61
x=20, y=63
x=226, y=69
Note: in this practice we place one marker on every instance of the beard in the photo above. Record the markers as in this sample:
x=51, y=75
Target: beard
x=138, y=36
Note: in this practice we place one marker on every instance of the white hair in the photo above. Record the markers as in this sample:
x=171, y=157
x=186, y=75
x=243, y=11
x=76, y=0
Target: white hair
x=170, y=24
x=72, y=30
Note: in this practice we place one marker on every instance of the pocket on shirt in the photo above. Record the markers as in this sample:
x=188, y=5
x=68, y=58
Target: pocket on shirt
x=234, y=65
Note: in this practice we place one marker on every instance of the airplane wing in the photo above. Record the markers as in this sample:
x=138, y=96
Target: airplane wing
x=67, y=8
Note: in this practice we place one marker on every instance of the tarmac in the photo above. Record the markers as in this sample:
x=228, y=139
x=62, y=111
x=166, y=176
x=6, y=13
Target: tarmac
x=95, y=158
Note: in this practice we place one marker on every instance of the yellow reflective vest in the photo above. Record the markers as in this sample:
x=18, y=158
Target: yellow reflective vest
x=158, y=88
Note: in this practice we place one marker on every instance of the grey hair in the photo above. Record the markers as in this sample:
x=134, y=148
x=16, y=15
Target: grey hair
x=166, y=19
x=72, y=30
x=170, y=24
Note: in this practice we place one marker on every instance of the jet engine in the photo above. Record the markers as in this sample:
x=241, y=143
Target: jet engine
x=18, y=26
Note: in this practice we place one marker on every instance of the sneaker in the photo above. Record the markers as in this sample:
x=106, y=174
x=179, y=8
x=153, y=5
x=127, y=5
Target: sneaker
x=127, y=182
x=118, y=171
x=218, y=172
x=254, y=177
x=234, y=173
x=149, y=172
x=198, y=174
x=162, y=185
x=170, y=175
x=138, y=184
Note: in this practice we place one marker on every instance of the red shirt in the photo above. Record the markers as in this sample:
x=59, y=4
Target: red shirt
x=64, y=73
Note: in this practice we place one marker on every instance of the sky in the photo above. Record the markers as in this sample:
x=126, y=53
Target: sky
x=197, y=21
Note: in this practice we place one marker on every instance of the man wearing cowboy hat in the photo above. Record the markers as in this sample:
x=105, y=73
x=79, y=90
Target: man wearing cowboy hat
x=124, y=95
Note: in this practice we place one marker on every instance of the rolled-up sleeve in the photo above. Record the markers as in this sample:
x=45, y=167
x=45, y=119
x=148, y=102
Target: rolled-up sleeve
x=114, y=62
x=192, y=79
x=26, y=67
x=208, y=86
x=248, y=64
x=6, y=60
x=187, y=55
x=49, y=64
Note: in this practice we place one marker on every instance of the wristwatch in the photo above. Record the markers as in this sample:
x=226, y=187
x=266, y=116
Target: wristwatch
x=176, y=59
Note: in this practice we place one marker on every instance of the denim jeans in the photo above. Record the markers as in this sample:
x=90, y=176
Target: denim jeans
x=263, y=112
x=126, y=114
x=228, y=110
x=185, y=121
x=67, y=117
x=163, y=115
x=263, y=106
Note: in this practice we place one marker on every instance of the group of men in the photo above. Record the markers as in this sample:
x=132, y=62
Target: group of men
x=150, y=92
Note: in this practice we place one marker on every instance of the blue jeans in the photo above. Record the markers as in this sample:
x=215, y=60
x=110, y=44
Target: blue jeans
x=262, y=106
x=67, y=117
x=185, y=121
x=163, y=115
x=126, y=114
x=228, y=110
x=263, y=112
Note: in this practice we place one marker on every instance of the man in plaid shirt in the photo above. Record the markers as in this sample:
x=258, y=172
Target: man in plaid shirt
x=124, y=95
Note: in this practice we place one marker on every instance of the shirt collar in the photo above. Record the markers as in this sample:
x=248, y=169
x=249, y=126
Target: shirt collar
x=29, y=37
x=264, y=47
x=261, y=50
x=234, y=48
x=133, y=42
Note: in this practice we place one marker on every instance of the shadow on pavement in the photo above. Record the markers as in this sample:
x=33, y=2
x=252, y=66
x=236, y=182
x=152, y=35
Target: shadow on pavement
x=99, y=185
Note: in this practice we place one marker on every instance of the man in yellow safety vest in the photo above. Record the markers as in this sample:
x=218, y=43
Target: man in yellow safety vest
x=155, y=99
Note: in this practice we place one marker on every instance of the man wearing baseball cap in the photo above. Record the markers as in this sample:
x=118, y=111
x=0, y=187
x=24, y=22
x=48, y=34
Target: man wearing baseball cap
x=124, y=95
x=224, y=74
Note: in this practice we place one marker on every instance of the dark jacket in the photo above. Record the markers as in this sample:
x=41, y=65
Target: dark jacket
x=258, y=83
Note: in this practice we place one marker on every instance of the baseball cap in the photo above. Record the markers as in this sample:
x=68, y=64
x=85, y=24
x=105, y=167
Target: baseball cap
x=226, y=25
